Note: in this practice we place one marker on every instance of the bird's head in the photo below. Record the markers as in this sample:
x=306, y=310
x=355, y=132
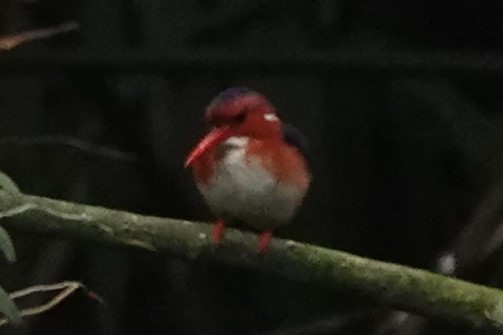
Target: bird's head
x=237, y=112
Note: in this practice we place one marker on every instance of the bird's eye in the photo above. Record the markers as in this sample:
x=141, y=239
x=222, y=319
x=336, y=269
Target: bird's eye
x=241, y=117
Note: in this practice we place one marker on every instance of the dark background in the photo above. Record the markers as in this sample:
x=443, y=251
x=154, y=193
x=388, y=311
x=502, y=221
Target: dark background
x=401, y=101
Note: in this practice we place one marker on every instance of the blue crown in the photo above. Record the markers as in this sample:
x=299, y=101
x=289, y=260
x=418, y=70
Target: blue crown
x=232, y=93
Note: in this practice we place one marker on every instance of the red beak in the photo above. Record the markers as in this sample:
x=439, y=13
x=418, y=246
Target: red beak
x=215, y=136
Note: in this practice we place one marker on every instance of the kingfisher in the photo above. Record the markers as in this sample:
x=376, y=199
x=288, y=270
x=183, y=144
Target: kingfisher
x=250, y=167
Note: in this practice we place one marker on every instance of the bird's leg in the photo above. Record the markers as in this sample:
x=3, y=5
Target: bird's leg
x=264, y=239
x=218, y=229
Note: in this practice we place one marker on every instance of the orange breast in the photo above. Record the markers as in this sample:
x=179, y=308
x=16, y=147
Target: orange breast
x=282, y=160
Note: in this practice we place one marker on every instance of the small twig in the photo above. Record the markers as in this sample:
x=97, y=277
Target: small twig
x=16, y=210
x=9, y=42
x=66, y=288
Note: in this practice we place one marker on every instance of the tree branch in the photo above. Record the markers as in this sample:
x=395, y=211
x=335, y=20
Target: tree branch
x=393, y=285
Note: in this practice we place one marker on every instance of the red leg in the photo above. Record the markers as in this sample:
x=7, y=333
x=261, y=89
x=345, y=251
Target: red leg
x=264, y=239
x=218, y=229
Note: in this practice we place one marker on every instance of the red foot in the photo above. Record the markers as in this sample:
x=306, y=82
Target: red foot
x=218, y=229
x=263, y=242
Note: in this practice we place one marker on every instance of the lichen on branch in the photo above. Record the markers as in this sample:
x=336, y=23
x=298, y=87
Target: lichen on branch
x=393, y=285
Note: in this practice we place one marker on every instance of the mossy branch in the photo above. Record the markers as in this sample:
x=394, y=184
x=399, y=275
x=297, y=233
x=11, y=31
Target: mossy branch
x=393, y=285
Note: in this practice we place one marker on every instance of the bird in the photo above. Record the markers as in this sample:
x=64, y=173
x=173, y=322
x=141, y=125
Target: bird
x=250, y=167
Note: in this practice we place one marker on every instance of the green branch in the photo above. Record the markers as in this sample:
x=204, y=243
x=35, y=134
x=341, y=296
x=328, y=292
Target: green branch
x=393, y=285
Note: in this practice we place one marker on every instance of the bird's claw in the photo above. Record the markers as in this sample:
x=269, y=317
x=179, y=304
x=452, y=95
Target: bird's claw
x=264, y=239
x=218, y=230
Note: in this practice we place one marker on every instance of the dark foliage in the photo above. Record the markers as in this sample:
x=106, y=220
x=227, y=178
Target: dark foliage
x=405, y=129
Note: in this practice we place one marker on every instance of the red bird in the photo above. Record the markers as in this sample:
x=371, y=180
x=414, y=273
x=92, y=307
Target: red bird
x=250, y=166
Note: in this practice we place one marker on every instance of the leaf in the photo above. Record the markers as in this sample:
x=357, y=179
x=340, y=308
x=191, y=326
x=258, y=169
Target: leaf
x=6, y=246
x=9, y=308
x=8, y=184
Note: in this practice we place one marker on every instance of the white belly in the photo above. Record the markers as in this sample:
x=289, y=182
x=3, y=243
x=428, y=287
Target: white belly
x=242, y=189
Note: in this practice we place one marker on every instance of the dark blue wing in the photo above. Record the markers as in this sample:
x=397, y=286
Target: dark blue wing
x=295, y=138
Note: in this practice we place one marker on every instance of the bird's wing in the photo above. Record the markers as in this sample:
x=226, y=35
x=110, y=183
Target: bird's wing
x=296, y=139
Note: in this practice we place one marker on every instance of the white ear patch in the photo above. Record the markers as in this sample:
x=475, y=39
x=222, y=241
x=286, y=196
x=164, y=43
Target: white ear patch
x=271, y=117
